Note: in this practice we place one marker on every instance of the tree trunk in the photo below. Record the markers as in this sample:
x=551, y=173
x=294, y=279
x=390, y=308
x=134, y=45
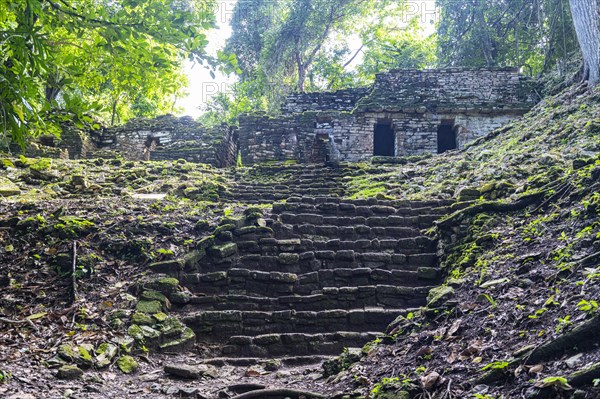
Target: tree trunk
x=114, y=110
x=586, y=18
x=301, y=73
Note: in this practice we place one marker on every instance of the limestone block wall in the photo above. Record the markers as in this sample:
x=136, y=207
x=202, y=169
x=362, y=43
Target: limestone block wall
x=473, y=101
x=451, y=89
x=341, y=100
x=174, y=138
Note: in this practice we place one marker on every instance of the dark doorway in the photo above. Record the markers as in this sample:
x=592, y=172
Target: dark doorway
x=384, y=141
x=446, y=137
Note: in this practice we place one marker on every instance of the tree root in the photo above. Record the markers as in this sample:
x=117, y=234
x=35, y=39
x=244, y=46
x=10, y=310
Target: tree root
x=585, y=376
x=280, y=393
x=493, y=206
x=583, y=336
x=18, y=322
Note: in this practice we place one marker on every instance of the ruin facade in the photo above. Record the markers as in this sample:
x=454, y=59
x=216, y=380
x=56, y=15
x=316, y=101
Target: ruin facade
x=405, y=112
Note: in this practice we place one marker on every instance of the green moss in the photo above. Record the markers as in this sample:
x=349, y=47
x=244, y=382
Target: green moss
x=69, y=372
x=127, y=364
x=438, y=295
x=142, y=319
x=149, y=307
x=160, y=317
x=105, y=353
x=152, y=295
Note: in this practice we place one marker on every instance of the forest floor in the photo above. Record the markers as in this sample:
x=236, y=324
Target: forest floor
x=521, y=265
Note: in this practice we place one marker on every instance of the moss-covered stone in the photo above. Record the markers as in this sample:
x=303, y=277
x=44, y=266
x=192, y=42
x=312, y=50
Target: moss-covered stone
x=104, y=354
x=168, y=266
x=180, y=298
x=125, y=343
x=437, y=296
x=136, y=332
x=149, y=333
x=149, y=307
x=127, y=364
x=67, y=352
x=180, y=344
x=166, y=285
x=160, y=317
x=84, y=356
x=69, y=372
x=152, y=295
x=223, y=228
x=288, y=258
x=142, y=319
x=223, y=251
x=8, y=188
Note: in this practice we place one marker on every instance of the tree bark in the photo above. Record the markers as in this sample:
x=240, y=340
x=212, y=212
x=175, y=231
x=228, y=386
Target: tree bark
x=586, y=18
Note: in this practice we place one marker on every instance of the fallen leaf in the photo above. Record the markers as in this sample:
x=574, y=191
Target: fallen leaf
x=430, y=380
x=536, y=369
x=37, y=316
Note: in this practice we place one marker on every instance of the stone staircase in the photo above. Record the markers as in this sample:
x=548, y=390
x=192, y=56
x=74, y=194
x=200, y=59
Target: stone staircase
x=317, y=274
x=266, y=184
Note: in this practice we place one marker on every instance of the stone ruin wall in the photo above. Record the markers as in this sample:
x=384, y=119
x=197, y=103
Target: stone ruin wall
x=341, y=100
x=475, y=101
x=314, y=127
x=174, y=138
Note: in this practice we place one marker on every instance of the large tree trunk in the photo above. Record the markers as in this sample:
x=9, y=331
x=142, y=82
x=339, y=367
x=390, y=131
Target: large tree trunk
x=586, y=18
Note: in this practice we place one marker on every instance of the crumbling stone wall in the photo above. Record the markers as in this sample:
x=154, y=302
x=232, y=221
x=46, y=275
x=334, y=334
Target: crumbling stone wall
x=341, y=100
x=473, y=101
x=340, y=126
x=450, y=90
x=170, y=138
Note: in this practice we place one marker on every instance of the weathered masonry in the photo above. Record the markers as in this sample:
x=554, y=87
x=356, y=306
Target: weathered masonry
x=170, y=138
x=406, y=112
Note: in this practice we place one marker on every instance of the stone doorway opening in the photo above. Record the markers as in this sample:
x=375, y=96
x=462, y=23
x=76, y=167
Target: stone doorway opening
x=384, y=139
x=446, y=136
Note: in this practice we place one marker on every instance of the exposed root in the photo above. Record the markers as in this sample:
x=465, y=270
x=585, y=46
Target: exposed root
x=583, y=336
x=493, y=206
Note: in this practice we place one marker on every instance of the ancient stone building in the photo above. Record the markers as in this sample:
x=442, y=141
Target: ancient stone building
x=405, y=112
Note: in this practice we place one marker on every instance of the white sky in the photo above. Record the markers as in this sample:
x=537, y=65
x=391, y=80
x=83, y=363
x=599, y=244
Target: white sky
x=202, y=86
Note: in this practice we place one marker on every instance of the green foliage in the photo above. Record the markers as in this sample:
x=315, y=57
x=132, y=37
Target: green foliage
x=115, y=60
x=499, y=365
x=310, y=45
x=590, y=307
x=537, y=35
x=4, y=376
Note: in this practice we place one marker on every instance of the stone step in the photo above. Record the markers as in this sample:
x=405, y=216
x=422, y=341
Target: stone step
x=290, y=262
x=272, y=246
x=372, y=201
x=271, y=345
x=286, y=361
x=295, y=184
x=351, y=209
x=219, y=325
x=346, y=233
x=407, y=284
x=331, y=297
x=323, y=190
x=415, y=222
